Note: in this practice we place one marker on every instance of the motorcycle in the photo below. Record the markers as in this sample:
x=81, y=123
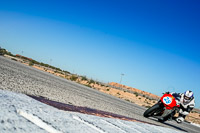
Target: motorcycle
x=165, y=109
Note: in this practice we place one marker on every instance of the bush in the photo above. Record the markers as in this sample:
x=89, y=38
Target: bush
x=194, y=112
x=88, y=86
x=98, y=83
x=92, y=82
x=148, y=106
x=66, y=72
x=127, y=100
x=136, y=94
x=3, y=52
x=84, y=78
x=31, y=63
x=73, y=78
x=13, y=59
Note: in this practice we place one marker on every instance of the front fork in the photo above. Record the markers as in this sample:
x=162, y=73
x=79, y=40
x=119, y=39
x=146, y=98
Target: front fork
x=169, y=114
x=166, y=114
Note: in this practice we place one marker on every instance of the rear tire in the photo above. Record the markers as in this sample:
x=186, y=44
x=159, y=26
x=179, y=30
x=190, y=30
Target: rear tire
x=150, y=112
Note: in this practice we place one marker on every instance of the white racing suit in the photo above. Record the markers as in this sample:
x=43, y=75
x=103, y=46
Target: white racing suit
x=185, y=107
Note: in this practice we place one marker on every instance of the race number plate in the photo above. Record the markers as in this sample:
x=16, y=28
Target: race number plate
x=167, y=100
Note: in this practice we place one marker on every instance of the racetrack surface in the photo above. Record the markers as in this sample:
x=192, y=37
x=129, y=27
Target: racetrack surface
x=18, y=77
x=22, y=114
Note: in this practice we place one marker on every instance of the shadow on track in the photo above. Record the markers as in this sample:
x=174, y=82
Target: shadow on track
x=178, y=128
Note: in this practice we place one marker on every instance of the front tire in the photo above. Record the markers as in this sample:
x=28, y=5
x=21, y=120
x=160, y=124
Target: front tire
x=150, y=112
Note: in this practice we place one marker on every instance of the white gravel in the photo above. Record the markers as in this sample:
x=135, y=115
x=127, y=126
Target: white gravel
x=22, y=114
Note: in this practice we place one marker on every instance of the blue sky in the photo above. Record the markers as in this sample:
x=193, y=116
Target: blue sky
x=155, y=44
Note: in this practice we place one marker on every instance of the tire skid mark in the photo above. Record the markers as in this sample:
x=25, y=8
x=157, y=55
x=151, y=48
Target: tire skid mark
x=155, y=129
x=129, y=126
x=113, y=125
x=88, y=124
x=191, y=129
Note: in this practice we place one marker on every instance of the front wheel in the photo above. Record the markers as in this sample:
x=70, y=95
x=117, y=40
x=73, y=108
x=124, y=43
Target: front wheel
x=150, y=112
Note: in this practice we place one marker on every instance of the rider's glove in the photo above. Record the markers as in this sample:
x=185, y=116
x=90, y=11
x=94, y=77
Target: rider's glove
x=179, y=119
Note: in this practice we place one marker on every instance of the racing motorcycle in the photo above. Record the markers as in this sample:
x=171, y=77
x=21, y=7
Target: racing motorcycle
x=165, y=109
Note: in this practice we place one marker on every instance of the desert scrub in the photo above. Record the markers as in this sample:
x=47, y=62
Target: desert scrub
x=13, y=59
x=91, y=82
x=108, y=89
x=98, y=83
x=127, y=100
x=136, y=94
x=147, y=106
x=31, y=63
x=73, y=78
x=102, y=85
x=88, y=86
x=118, y=93
x=84, y=78
x=194, y=112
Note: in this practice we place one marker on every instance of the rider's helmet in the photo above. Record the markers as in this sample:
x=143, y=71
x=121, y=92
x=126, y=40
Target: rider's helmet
x=188, y=96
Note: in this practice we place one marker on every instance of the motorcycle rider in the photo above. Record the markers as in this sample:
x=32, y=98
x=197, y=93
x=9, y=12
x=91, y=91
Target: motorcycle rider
x=187, y=103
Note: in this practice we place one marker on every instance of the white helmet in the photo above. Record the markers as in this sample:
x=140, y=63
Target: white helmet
x=188, y=96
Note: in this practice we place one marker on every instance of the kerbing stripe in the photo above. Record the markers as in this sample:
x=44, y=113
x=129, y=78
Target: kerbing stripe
x=38, y=122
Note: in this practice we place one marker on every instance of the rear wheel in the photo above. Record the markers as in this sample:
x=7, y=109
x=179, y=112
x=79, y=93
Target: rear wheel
x=156, y=109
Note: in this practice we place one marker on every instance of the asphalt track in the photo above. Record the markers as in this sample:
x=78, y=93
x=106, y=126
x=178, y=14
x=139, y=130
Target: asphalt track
x=20, y=78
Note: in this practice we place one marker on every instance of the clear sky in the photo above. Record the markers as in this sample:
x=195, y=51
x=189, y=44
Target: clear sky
x=154, y=43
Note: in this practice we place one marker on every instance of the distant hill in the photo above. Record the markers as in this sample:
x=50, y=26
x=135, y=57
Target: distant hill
x=147, y=94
